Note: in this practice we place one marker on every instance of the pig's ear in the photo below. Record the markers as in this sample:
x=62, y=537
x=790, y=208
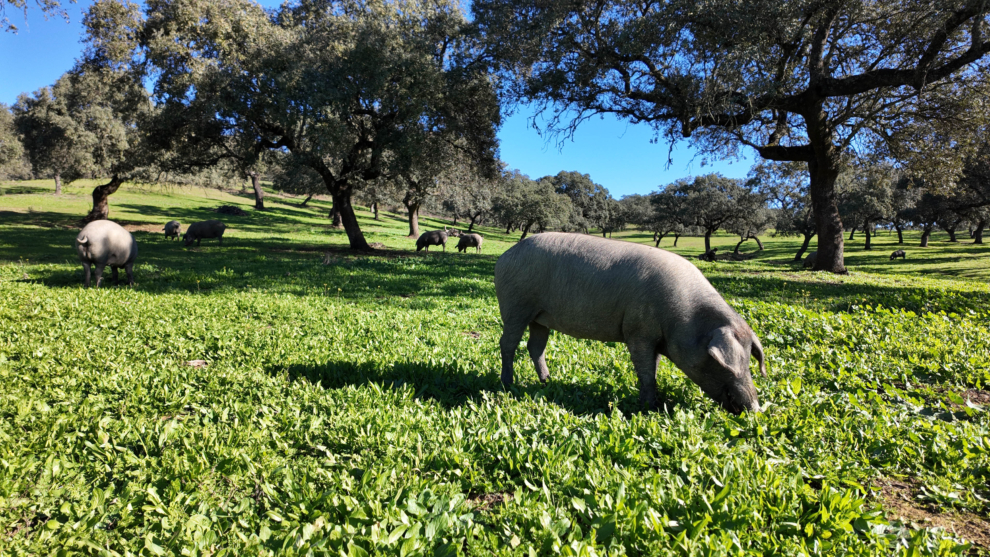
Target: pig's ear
x=722, y=347
x=757, y=351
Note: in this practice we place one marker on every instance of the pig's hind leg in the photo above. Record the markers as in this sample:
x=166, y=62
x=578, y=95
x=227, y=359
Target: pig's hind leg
x=514, y=322
x=645, y=356
x=537, y=345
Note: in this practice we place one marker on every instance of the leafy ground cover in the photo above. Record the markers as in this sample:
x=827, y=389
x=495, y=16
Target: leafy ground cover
x=350, y=405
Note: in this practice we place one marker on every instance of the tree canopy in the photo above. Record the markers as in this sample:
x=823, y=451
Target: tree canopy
x=352, y=90
x=806, y=80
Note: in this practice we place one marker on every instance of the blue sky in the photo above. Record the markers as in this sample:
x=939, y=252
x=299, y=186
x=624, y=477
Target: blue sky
x=616, y=154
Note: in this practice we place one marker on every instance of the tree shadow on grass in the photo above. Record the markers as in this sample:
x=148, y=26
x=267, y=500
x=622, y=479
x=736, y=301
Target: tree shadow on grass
x=451, y=387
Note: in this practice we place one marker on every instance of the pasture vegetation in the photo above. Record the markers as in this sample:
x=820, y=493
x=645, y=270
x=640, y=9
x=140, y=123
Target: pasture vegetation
x=350, y=405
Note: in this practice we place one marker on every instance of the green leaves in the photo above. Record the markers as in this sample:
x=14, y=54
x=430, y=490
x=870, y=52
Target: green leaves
x=368, y=422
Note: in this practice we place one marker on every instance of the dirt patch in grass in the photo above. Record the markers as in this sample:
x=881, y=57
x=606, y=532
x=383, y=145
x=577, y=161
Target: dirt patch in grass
x=486, y=501
x=900, y=503
x=144, y=227
x=976, y=396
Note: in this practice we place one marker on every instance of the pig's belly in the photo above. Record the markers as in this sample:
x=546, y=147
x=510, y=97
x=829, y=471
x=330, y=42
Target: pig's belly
x=593, y=326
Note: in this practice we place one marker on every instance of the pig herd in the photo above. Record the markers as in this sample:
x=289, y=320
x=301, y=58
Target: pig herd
x=653, y=301
x=104, y=243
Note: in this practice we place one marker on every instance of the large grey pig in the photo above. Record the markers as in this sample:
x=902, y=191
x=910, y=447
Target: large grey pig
x=654, y=301
x=172, y=229
x=470, y=241
x=204, y=229
x=432, y=238
x=103, y=242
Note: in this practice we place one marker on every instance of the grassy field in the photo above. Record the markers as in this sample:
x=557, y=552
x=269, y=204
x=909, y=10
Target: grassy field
x=350, y=405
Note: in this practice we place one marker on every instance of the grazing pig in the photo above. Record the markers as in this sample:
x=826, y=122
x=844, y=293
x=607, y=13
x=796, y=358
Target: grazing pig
x=899, y=253
x=656, y=302
x=103, y=242
x=470, y=241
x=172, y=229
x=809, y=261
x=432, y=238
x=204, y=229
x=709, y=255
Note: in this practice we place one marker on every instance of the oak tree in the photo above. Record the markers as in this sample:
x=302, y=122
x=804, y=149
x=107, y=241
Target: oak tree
x=806, y=80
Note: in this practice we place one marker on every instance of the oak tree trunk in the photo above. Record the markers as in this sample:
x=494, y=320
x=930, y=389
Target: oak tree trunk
x=823, y=174
x=525, y=230
x=866, y=230
x=900, y=235
x=741, y=240
x=924, y=236
x=374, y=209
x=58, y=184
x=259, y=194
x=759, y=244
x=473, y=220
x=978, y=232
x=676, y=237
x=952, y=234
x=305, y=201
x=657, y=237
x=342, y=203
x=804, y=246
x=413, y=209
x=852, y=234
x=335, y=218
x=101, y=200
x=708, y=241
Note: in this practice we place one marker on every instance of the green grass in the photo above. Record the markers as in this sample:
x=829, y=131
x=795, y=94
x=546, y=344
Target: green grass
x=354, y=407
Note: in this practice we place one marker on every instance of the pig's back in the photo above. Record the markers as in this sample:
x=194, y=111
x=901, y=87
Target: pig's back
x=596, y=288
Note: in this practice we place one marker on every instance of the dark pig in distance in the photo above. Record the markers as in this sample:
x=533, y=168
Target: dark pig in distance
x=198, y=231
x=432, y=238
x=103, y=242
x=172, y=229
x=655, y=302
x=470, y=241
x=899, y=253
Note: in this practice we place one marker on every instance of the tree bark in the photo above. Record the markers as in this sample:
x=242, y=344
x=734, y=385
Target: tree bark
x=736, y=251
x=924, y=237
x=978, y=232
x=374, y=209
x=900, y=234
x=101, y=200
x=354, y=235
x=708, y=241
x=473, y=219
x=413, y=209
x=759, y=244
x=866, y=230
x=58, y=184
x=604, y=233
x=657, y=237
x=259, y=194
x=804, y=246
x=952, y=234
x=852, y=234
x=525, y=230
x=823, y=174
x=305, y=201
x=335, y=218
x=676, y=237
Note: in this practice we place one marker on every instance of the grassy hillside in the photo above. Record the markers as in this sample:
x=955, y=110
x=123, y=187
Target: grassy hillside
x=279, y=395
